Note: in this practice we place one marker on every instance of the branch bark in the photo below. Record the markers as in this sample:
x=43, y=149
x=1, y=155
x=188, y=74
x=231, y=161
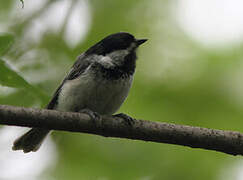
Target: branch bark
x=229, y=142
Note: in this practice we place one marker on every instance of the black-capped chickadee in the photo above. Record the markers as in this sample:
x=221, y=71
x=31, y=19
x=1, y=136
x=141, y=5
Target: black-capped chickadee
x=99, y=81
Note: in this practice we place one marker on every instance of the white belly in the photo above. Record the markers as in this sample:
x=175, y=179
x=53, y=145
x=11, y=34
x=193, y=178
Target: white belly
x=97, y=94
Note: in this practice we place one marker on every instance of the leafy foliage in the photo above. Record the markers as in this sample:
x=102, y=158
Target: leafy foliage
x=11, y=78
x=6, y=40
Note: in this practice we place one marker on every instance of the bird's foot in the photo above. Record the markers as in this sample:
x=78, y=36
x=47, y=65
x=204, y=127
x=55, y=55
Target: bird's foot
x=129, y=120
x=93, y=115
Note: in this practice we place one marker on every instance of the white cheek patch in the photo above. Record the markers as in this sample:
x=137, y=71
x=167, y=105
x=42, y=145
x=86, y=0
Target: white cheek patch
x=118, y=56
x=115, y=58
x=132, y=47
x=106, y=61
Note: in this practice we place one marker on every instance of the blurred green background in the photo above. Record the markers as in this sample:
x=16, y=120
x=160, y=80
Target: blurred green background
x=179, y=79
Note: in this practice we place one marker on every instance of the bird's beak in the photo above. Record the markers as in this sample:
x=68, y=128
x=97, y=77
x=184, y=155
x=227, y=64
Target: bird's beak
x=140, y=41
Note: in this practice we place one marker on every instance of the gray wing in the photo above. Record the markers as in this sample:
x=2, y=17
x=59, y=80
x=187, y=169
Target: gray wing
x=77, y=69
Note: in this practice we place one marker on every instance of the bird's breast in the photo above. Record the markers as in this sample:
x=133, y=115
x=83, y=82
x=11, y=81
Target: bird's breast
x=94, y=92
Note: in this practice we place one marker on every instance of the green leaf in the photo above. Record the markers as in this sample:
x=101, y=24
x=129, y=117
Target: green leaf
x=6, y=41
x=10, y=78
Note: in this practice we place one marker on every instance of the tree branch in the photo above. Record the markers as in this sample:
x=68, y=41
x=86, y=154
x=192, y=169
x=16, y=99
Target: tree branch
x=224, y=141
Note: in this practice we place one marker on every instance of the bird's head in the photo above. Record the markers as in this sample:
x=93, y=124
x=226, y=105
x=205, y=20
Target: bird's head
x=116, y=42
x=117, y=49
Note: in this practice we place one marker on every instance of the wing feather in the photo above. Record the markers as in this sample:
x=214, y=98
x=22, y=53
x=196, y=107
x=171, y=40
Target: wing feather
x=77, y=69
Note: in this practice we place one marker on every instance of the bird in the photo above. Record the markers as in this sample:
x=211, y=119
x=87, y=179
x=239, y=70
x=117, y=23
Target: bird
x=97, y=84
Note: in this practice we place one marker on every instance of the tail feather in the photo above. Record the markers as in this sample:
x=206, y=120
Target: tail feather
x=30, y=141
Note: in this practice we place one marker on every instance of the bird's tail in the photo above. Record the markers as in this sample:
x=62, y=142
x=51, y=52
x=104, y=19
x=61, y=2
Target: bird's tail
x=30, y=141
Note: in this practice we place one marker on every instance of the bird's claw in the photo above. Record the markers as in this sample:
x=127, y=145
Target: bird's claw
x=93, y=115
x=129, y=120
